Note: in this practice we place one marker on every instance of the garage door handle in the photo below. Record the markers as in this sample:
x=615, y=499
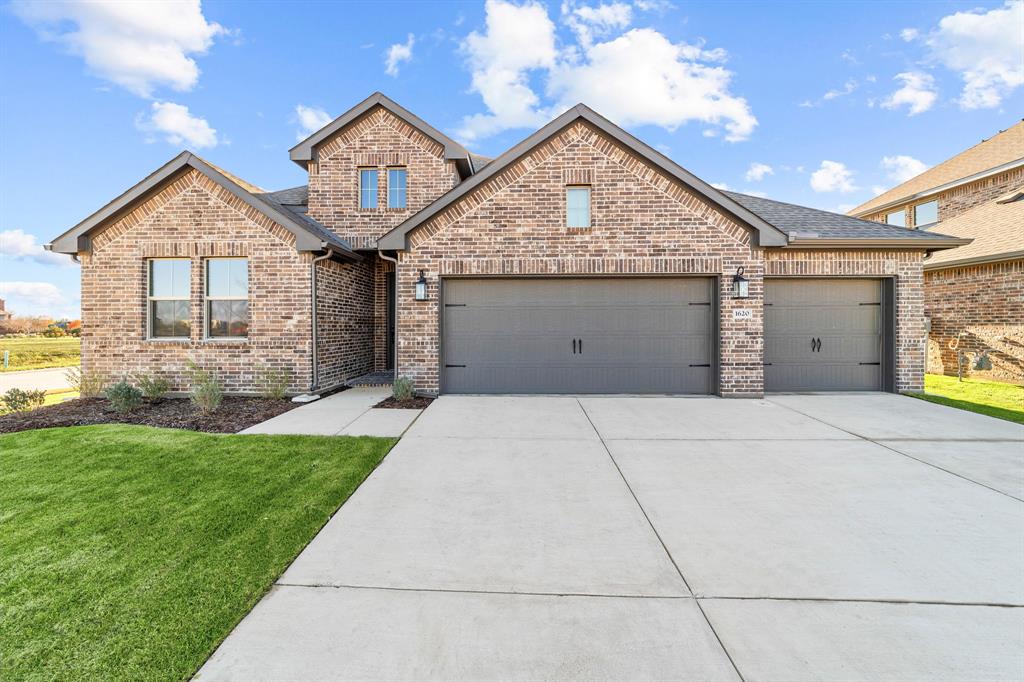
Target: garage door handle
x=574, y=346
x=581, y=346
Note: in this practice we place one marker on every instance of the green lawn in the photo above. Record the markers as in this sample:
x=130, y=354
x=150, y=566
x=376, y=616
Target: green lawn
x=993, y=398
x=39, y=352
x=128, y=552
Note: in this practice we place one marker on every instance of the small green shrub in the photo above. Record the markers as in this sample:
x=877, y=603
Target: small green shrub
x=207, y=392
x=403, y=388
x=88, y=384
x=153, y=386
x=271, y=382
x=123, y=397
x=17, y=400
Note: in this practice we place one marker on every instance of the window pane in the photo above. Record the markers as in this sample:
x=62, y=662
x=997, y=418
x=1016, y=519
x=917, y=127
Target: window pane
x=898, y=218
x=226, y=277
x=169, y=278
x=396, y=188
x=182, y=325
x=927, y=213
x=578, y=207
x=170, y=319
x=239, y=324
x=228, y=318
x=368, y=189
x=239, y=277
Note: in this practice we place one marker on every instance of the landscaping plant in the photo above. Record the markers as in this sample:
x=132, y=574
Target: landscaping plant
x=123, y=397
x=88, y=384
x=207, y=391
x=272, y=382
x=17, y=400
x=403, y=388
x=154, y=387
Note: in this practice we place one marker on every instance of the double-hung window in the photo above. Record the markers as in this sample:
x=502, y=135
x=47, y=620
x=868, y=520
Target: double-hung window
x=168, y=298
x=577, y=206
x=367, y=188
x=397, y=187
x=227, y=298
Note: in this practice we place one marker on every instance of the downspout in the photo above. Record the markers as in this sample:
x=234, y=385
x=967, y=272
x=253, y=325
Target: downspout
x=315, y=382
x=395, y=261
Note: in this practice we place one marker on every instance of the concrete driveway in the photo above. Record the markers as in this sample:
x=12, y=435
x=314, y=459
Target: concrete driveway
x=863, y=536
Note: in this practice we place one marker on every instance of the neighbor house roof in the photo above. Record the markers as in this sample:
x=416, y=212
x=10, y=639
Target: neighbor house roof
x=811, y=226
x=309, y=234
x=767, y=234
x=997, y=228
x=998, y=153
x=305, y=151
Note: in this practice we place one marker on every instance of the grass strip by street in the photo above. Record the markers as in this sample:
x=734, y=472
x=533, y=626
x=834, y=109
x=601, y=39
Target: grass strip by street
x=992, y=398
x=39, y=352
x=130, y=552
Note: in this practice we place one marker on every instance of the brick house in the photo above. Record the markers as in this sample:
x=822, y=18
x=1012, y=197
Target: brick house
x=4, y=313
x=579, y=261
x=974, y=295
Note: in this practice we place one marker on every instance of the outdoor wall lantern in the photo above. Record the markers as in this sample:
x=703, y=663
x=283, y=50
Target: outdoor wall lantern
x=740, y=285
x=421, y=287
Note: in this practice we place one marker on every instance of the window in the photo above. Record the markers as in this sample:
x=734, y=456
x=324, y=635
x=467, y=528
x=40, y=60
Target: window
x=897, y=218
x=926, y=213
x=577, y=207
x=397, y=180
x=368, y=188
x=168, y=298
x=227, y=298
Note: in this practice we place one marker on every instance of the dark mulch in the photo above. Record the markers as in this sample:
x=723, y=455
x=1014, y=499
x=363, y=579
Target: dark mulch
x=234, y=414
x=417, y=403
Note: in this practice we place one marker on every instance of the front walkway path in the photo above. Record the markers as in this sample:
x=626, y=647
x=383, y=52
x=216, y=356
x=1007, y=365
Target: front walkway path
x=794, y=538
x=349, y=413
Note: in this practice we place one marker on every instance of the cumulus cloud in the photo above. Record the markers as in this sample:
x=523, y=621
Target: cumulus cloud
x=985, y=49
x=637, y=77
x=757, y=172
x=137, y=45
x=918, y=93
x=177, y=125
x=310, y=120
x=29, y=299
x=832, y=176
x=398, y=53
x=909, y=34
x=901, y=168
x=20, y=245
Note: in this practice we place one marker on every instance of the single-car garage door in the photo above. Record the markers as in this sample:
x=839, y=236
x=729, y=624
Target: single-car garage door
x=824, y=335
x=577, y=335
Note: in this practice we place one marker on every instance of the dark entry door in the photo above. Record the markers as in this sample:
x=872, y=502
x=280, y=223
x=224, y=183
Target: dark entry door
x=390, y=284
x=577, y=336
x=823, y=335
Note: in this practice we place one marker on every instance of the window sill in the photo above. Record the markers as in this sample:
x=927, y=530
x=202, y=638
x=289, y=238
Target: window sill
x=168, y=339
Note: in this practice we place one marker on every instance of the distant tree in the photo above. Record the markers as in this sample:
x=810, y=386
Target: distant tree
x=25, y=325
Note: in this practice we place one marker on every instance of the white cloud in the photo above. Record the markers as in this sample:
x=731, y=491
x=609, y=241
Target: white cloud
x=986, y=49
x=878, y=189
x=398, y=53
x=588, y=22
x=909, y=34
x=178, y=126
x=848, y=88
x=901, y=168
x=918, y=93
x=30, y=299
x=20, y=245
x=832, y=176
x=757, y=171
x=638, y=77
x=310, y=119
x=720, y=185
x=137, y=45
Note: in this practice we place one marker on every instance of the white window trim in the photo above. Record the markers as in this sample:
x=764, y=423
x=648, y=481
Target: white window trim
x=376, y=194
x=150, y=298
x=207, y=299
x=590, y=207
x=387, y=198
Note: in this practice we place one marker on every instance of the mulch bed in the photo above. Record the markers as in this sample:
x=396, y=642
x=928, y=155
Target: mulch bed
x=417, y=403
x=234, y=414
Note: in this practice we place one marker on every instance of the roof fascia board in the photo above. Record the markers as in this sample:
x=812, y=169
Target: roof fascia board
x=977, y=260
x=996, y=170
x=882, y=243
x=766, y=234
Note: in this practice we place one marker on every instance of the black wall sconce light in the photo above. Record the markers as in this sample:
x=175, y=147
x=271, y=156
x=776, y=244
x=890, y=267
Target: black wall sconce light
x=740, y=284
x=421, y=287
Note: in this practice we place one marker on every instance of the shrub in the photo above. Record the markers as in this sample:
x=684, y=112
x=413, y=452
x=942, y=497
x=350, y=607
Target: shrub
x=271, y=382
x=403, y=388
x=88, y=384
x=153, y=386
x=123, y=397
x=207, y=392
x=17, y=400
x=53, y=331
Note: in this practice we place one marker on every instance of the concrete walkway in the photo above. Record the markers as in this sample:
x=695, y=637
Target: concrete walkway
x=795, y=538
x=35, y=380
x=349, y=413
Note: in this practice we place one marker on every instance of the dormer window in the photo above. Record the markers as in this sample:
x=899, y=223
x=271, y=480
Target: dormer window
x=368, y=188
x=577, y=206
x=397, y=187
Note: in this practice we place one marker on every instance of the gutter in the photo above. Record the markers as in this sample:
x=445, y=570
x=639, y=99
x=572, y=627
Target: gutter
x=898, y=243
x=977, y=260
x=315, y=382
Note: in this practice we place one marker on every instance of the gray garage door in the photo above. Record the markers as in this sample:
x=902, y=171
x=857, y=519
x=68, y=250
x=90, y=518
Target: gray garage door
x=577, y=336
x=823, y=335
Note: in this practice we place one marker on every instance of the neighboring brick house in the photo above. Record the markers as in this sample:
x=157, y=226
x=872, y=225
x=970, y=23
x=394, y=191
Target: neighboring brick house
x=4, y=313
x=579, y=261
x=974, y=295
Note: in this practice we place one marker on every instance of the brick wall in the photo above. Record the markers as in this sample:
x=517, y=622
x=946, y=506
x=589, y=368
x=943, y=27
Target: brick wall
x=981, y=305
x=642, y=223
x=345, y=320
x=904, y=265
x=377, y=140
x=195, y=218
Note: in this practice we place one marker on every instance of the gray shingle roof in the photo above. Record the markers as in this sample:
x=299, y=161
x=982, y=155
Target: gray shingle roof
x=293, y=196
x=811, y=223
x=293, y=200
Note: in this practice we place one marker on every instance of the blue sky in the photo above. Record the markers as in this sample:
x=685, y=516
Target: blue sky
x=823, y=104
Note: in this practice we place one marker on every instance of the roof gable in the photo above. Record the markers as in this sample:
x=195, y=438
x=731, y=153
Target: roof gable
x=309, y=235
x=766, y=234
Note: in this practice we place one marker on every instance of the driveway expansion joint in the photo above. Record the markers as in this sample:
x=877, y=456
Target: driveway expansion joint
x=441, y=590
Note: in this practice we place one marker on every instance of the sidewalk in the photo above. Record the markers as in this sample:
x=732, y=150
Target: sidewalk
x=35, y=379
x=349, y=413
